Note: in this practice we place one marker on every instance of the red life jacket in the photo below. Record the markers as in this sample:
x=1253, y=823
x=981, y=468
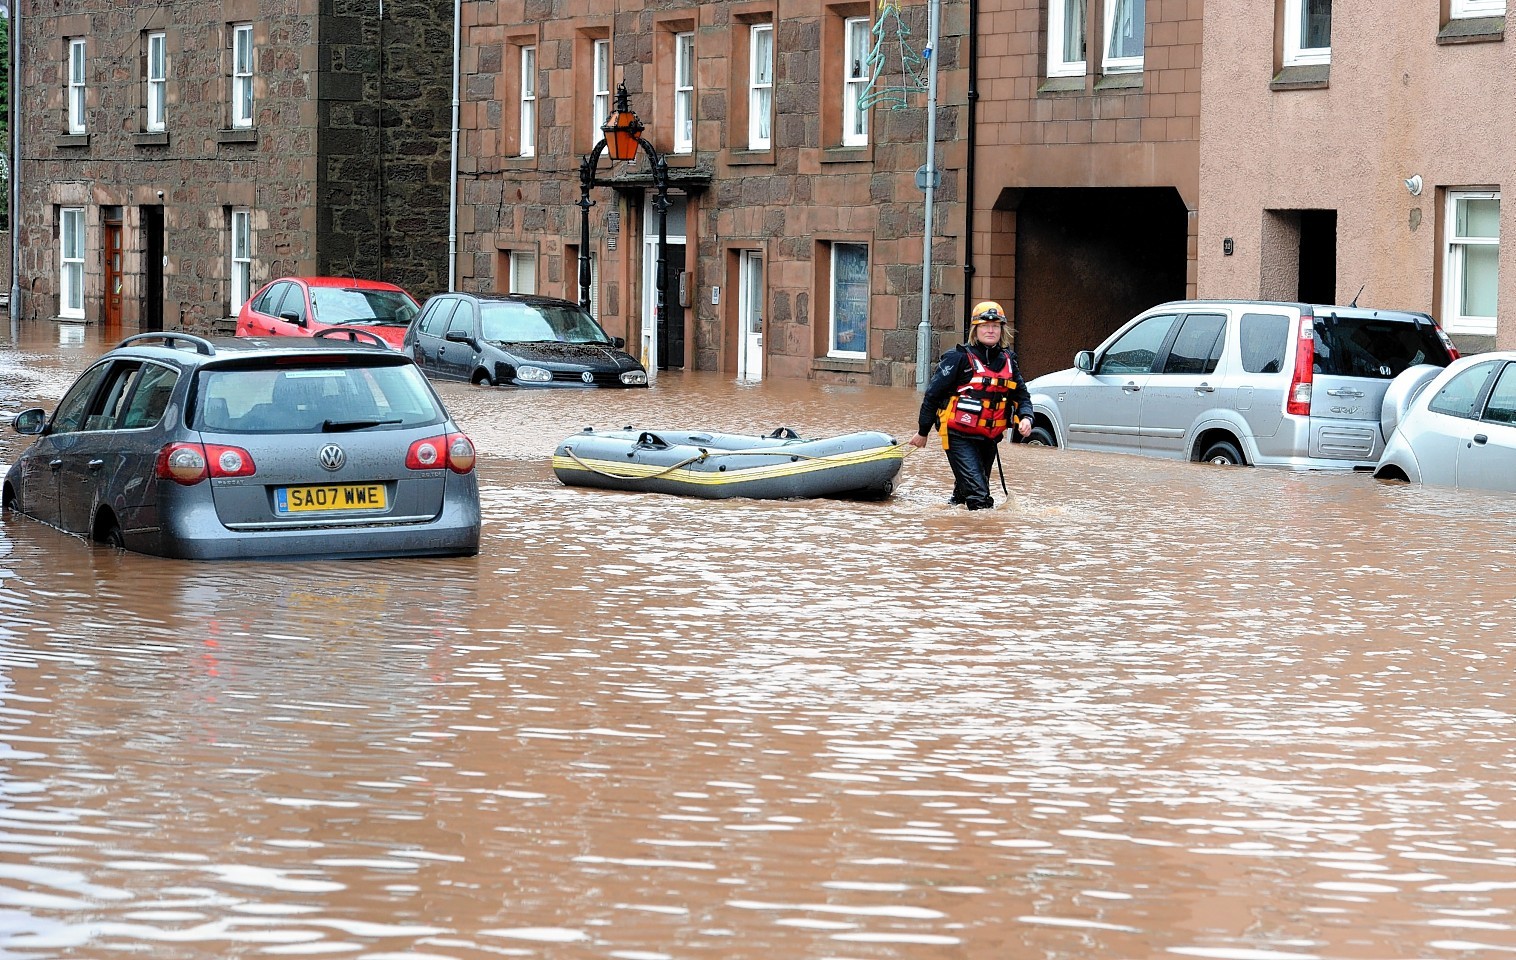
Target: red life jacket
x=979, y=407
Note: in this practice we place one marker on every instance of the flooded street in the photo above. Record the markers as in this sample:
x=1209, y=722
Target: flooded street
x=1142, y=709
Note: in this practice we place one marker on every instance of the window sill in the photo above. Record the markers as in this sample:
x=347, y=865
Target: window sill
x=1470, y=343
x=72, y=140
x=1119, y=81
x=859, y=154
x=843, y=364
x=1064, y=85
x=237, y=135
x=1473, y=30
x=1309, y=76
x=738, y=158
x=155, y=139
x=680, y=161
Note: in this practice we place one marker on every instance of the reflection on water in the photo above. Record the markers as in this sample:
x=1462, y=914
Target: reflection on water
x=1143, y=709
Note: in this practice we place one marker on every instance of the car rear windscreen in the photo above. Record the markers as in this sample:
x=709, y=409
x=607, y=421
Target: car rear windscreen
x=1375, y=347
x=313, y=397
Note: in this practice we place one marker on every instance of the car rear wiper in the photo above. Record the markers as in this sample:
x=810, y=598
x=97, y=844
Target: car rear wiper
x=342, y=426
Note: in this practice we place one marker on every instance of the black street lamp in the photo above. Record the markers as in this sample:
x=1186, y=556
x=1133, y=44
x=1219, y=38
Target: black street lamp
x=623, y=136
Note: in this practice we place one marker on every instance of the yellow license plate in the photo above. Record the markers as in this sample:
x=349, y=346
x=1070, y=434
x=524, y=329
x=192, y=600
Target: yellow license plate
x=345, y=496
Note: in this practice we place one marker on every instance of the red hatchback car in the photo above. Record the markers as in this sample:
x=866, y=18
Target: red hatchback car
x=302, y=306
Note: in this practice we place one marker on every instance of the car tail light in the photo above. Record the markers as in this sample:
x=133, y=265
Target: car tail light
x=189, y=463
x=453, y=450
x=1447, y=342
x=1298, y=401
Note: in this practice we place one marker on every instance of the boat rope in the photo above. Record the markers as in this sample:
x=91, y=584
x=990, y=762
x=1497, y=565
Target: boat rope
x=621, y=476
x=704, y=454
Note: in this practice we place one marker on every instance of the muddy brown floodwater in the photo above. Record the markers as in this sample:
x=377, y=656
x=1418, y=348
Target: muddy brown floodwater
x=1140, y=710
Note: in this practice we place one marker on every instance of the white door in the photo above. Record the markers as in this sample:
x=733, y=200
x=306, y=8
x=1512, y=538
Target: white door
x=674, y=228
x=750, y=316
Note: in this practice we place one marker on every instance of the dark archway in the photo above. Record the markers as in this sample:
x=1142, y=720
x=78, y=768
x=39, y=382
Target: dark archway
x=1089, y=259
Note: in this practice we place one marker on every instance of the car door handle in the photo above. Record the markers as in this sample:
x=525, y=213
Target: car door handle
x=1480, y=439
x=1130, y=387
x=1344, y=392
x=95, y=465
x=1205, y=388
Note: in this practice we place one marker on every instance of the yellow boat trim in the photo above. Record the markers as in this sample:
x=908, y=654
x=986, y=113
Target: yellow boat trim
x=622, y=470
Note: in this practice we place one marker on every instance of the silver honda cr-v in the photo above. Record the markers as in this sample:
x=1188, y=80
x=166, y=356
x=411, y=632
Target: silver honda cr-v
x=1242, y=382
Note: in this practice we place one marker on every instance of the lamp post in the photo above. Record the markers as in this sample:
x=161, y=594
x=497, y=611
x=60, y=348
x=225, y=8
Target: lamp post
x=622, y=138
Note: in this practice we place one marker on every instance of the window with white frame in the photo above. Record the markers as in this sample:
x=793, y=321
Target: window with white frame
x=1307, y=32
x=1465, y=9
x=760, y=84
x=1066, y=26
x=684, y=92
x=1472, y=261
x=242, y=75
x=523, y=271
x=528, y=101
x=849, y=300
x=855, y=117
x=1125, y=23
x=71, y=262
x=157, y=80
x=601, y=102
x=76, y=86
x=242, y=258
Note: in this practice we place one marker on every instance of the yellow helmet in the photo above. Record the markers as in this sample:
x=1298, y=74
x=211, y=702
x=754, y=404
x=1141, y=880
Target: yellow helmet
x=987, y=311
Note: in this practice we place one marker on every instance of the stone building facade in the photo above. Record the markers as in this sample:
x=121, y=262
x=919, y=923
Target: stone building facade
x=177, y=156
x=795, y=233
x=1087, y=166
x=1367, y=163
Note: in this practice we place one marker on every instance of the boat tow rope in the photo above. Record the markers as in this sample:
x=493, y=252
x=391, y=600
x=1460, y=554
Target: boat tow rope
x=704, y=454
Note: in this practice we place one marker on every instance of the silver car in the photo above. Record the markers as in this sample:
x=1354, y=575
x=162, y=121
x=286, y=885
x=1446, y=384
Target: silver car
x=1459, y=430
x=179, y=446
x=1239, y=382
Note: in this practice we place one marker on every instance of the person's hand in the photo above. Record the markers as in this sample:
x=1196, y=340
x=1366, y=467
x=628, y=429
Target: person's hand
x=1024, y=427
x=918, y=441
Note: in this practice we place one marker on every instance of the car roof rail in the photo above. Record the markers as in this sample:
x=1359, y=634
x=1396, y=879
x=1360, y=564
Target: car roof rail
x=201, y=345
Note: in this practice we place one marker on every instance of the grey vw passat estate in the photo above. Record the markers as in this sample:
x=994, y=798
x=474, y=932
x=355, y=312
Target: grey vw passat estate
x=1241, y=382
x=175, y=445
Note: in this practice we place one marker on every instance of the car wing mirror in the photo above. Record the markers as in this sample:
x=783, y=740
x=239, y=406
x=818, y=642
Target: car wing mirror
x=292, y=318
x=618, y=342
x=458, y=336
x=1084, y=360
x=31, y=422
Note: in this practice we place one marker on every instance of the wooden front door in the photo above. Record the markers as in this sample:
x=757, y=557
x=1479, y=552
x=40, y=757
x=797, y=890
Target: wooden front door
x=113, y=280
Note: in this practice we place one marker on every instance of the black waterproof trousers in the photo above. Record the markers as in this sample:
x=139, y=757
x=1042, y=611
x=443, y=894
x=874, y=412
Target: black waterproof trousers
x=972, y=459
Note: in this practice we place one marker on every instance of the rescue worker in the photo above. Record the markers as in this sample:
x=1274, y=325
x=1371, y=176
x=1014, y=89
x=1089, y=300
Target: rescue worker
x=975, y=395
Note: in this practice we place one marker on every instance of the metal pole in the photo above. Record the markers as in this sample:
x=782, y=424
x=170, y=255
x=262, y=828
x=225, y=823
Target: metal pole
x=586, y=181
x=924, y=330
x=15, y=168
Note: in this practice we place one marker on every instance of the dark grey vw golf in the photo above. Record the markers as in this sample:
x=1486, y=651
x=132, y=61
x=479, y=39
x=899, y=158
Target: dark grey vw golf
x=518, y=340
x=175, y=445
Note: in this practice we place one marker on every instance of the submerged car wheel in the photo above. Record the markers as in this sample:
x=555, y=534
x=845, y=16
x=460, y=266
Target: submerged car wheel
x=108, y=532
x=483, y=379
x=1223, y=453
x=1041, y=436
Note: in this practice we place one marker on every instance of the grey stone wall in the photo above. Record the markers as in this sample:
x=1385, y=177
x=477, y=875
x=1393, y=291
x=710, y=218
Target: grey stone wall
x=385, y=112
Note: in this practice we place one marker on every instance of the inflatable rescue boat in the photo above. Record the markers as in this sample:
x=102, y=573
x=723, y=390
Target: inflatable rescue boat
x=775, y=466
